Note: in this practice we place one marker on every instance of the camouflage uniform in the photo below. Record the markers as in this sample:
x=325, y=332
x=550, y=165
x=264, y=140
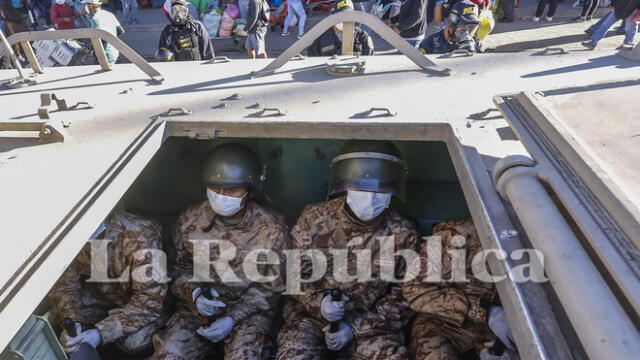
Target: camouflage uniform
x=251, y=305
x=375, y=312
x=127, y=313
x=452, y=317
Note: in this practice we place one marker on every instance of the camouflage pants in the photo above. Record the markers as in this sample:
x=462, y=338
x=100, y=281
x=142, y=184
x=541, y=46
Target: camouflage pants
x=435, y=340
x=302, y=338
x=93, y=310
x=179, y=341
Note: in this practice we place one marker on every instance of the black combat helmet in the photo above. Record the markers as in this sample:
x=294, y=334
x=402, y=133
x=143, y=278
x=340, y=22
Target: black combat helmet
x=232, y=165
x=368, y=165
x=163, y=54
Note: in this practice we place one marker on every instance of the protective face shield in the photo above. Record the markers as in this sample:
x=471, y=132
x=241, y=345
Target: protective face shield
x=179, y=14
x=337, y=28
x=367, y=205
x=225, y=205
x=164, y=54
x=463, y=36
x=368, y=166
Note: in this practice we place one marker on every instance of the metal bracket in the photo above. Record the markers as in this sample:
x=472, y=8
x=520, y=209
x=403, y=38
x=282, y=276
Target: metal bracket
x=46, y=100
x=363, y=18
x=462, y=52
x=52, y=130
x=22, y=80
x=233, y=97
x=368, y=113
x=175, y=111
x=346, y=66
x=95, y=35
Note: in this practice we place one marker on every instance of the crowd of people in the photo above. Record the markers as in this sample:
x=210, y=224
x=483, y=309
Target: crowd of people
x=228, y=306
x=459, y=24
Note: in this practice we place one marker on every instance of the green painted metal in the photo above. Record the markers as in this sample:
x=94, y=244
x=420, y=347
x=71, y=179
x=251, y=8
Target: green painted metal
x=35, y=340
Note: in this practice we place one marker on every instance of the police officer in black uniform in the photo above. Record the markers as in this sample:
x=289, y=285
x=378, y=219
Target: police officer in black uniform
x=185, y=39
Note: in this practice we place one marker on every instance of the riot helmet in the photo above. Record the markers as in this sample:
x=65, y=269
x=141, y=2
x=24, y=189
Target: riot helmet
x=367, y=165
x=466, y=28
x=163, y=54
x=232, y=165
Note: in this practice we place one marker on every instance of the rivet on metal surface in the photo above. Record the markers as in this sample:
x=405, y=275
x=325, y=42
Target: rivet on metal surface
x=126, y=91
x=235, y=96
x=255, y=106
x=315, y=101
x=222, y=105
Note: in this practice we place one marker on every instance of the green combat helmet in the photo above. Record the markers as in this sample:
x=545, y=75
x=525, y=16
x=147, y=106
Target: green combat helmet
x=368, y=165
x=231, y=165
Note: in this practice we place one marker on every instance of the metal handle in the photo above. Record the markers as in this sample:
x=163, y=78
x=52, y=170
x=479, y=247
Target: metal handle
x=277, y=111
x=386, y=110
x=178, y=111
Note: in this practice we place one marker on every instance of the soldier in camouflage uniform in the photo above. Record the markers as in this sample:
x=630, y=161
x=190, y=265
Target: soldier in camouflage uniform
x=452, y=317
x=374, y=312
x=126, y=313
x=244, y=309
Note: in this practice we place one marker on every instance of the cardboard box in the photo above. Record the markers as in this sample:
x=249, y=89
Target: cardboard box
x=44, y=47
x=63, y=54
x=45, y=61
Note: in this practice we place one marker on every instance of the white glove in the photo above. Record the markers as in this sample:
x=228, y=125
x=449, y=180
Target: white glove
x=500, y=326
x=205, y=306
x=507, y=355
x=219, y=330
x=333, y=310
x=71, y=344
x=337, y=340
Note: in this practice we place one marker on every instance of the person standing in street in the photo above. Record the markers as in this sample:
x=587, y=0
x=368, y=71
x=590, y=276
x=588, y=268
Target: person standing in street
x=588, y=8
x=508, y=10
x=185, y=39
x=412, y=21
x=104, y=20
x=622, y=9
x=553, y=5
x=257, y=21
x=62, y=15
x=129, y=10
x=295, y=10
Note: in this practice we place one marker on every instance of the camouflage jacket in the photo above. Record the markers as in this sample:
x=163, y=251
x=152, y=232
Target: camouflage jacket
x=259, y=229
x=136, y=302
x=375, y=306
x=458, y=306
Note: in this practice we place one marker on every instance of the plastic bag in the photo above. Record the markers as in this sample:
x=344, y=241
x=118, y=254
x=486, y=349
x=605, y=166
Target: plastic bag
x=487, y=23
x=226, y=26
x=233, y=11
x=211, y=21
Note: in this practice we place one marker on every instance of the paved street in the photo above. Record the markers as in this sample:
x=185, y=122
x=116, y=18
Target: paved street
x=521, y=35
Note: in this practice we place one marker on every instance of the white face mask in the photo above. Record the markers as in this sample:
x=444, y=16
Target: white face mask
x=224, y=205
x=61, y=2
x=367, y=205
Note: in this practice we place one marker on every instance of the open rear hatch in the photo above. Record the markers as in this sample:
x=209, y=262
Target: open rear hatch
x=577, y=199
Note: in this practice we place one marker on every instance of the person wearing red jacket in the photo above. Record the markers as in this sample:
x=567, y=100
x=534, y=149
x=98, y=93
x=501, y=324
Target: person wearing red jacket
x=62, y=15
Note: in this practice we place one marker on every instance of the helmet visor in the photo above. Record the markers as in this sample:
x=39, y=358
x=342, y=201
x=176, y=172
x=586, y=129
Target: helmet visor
x=368, y=171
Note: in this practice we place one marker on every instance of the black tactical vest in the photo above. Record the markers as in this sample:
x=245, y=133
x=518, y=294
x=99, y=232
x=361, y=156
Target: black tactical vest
x=185, y=43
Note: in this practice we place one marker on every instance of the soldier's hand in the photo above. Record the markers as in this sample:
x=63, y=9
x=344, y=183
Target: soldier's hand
x=339, y=339
x=500, y=326
x=219, y=330
x=332, y=310
x=65, y=338
x=205, y=306
x=91, y=337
